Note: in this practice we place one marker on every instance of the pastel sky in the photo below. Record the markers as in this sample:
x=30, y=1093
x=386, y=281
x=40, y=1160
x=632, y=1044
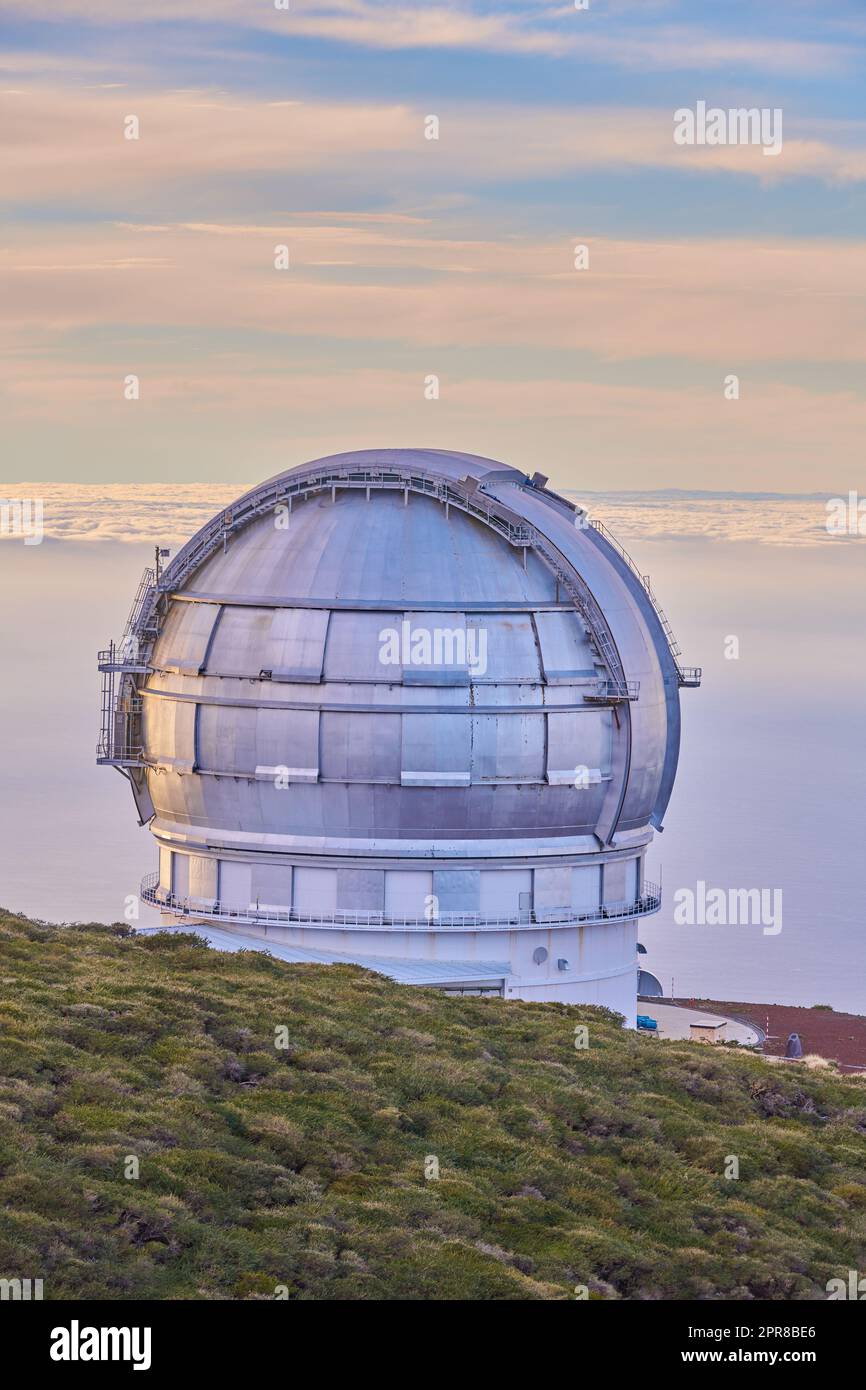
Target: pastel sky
x=305, y=127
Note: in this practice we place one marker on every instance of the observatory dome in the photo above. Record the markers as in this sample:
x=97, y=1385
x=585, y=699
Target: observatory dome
x=409, y=708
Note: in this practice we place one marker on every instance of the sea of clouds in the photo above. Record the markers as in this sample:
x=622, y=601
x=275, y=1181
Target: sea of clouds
x=171, y=513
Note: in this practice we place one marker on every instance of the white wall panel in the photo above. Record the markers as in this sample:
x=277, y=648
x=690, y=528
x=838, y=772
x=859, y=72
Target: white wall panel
x=271, y=885
x=296, y=644
x=239, y=642
x=631, y=880
x=315, y=890
x=551, y=889
x=500, y=891
x=288, y=642
x=180, y=875
x=615, y=882
x=406, y=892
x=585, y=887
x=235, y=883
x=202, y=877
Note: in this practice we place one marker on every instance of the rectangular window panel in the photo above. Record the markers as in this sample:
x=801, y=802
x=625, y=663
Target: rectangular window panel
x=361, y=890
x=435, y=750
x=170, y=732
x=434, y=648
x=286, y=643
x=457, y=890
x=504, y=644
x=552, y=890
x=361, y=747
x=565, y=650
x=363, y=647
x=508, y=747
x=227, y=739
x=287, y=745
x=578, y=744
x=184, y=639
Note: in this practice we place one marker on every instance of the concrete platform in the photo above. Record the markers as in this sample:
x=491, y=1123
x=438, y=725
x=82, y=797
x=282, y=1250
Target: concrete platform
x=675, y=1022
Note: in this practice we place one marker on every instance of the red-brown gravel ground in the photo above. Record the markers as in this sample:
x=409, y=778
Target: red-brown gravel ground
x=841, y=1037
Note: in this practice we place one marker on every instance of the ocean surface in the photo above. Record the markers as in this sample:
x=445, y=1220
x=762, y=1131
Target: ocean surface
x=771, y=790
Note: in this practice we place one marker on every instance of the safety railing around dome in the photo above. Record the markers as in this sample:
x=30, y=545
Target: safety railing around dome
x=211, y=910
x=688, y=675
x=467, y=496
x=279, y=492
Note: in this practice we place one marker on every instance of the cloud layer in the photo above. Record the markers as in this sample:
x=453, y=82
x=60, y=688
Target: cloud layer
x=138, y=513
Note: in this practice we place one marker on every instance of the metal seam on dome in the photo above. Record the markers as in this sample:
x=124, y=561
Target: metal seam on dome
x=237, y=702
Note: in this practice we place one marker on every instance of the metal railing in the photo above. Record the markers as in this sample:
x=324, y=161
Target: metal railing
x=121, y=754
x=120, y=709
x=468, y=497
x=140, y=604
x=211, y=910
x=120, y=662
x=280, y=492
x=611, y=690
x=115, y=658
x=687, y=675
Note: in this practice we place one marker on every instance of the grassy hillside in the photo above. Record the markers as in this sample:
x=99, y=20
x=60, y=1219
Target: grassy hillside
x=305, y=1166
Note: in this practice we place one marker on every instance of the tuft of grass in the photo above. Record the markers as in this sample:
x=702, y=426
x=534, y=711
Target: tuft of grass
x=404, y=1145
